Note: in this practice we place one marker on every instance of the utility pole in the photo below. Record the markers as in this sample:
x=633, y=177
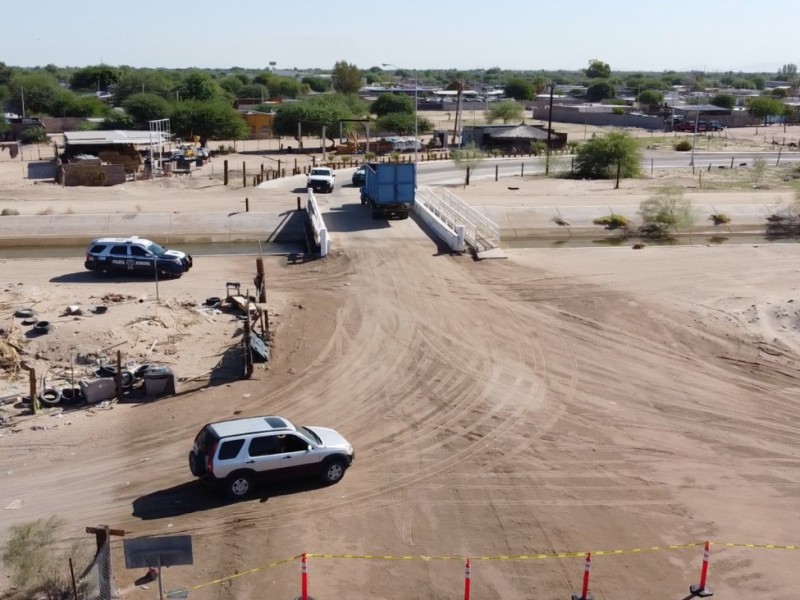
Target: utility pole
x=22, y=96
x=416, y=122
x=549, y=129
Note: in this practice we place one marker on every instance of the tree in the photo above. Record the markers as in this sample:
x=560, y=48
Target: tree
x=232, y=84
x=6, y=73
x=65, y=103
x=458, y=86
x=214, y=119
x=603, y=157
x=779, y=93
x=540, y=84
x=507, y=110
x=467, y=158
x=254, y=91
x=598, y=70
x=316, y=84
x=39, y=90
x=97, y=77
x=198, y=86
x=724, y=101
x=326, y=109
x=600, y=90
x=346, y=78
x=392, y=103
x=787, y=72
x=764, y=107
x=402, y=124
x=146, y=107
x=283, y=87
x=519, y=89
x=743, y=83
x=144, y=81
x=650, y=97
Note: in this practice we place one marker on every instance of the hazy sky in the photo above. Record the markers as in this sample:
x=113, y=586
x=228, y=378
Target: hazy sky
x=710, y=35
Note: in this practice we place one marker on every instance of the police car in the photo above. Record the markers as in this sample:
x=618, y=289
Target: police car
x=135, y=255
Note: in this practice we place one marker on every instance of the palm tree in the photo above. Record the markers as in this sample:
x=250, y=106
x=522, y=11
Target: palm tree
x=458, y=85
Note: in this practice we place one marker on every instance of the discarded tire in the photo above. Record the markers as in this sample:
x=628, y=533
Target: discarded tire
x=50, y=396
x=126, y=379
x=71, y=395
x=99, y=310
x=43, y=327
x=30, y=321
x=141, y=370
x=213, y=301
x=107, y=371
x=25, y=313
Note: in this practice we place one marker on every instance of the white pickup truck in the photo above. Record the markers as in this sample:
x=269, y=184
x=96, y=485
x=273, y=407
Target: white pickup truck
x=321, y=179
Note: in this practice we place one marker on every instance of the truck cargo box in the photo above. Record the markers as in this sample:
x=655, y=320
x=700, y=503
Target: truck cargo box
x=389, y=189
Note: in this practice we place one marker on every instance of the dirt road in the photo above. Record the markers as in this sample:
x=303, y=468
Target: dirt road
x=559, y=401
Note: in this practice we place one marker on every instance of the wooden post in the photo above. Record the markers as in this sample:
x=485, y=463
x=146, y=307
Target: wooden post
x=244, y=174
x=102, y=533
x=247, y=205
x=279, y=167
x=298, y=203
x=496, y=172
x=262, y=287
x=248, y=351
x=262, y=171
x=225, y=172
x=32, y=389
x=72, y=577
x=118, y=376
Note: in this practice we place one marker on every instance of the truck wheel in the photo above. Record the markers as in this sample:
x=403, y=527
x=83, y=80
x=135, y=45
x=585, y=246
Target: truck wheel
x=104, y=271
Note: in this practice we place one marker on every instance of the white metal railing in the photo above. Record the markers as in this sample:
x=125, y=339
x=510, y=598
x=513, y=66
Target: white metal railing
x=317, y=224
x=480, y=232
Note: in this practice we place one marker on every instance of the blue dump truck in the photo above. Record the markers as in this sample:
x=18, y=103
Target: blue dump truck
x=389, y=189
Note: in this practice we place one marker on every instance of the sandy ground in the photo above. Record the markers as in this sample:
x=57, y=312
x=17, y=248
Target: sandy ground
x=560, y=401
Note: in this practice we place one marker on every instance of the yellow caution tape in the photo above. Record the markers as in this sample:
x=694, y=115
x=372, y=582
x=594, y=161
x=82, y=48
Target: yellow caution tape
x=495, y=558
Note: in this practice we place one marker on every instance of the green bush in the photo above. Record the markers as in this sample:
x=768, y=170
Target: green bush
x=666, y=209
x=683, y=146
x=720, y=219
x=612, y=221
x=33, y=135
x=618, y=111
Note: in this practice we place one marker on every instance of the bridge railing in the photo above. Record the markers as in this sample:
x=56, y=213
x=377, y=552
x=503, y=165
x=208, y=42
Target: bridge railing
x=317, y=224
x=480, y=232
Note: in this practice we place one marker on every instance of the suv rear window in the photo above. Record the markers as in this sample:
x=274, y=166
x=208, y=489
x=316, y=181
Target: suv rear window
x=97, y=248
x=230, y=449
x=205, y=439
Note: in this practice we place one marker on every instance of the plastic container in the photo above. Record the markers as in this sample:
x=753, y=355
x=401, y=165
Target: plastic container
x=159, y=381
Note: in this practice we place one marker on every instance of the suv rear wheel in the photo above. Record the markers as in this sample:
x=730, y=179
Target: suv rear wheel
x=238, y=485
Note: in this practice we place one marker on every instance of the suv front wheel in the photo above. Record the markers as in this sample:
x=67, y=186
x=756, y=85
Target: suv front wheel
x=238, y=485
x=333, y=471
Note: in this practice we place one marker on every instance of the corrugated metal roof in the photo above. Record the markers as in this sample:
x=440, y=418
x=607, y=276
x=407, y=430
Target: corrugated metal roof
x=90, y=138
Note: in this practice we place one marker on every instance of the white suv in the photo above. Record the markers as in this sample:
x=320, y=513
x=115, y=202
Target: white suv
x=238, y=453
